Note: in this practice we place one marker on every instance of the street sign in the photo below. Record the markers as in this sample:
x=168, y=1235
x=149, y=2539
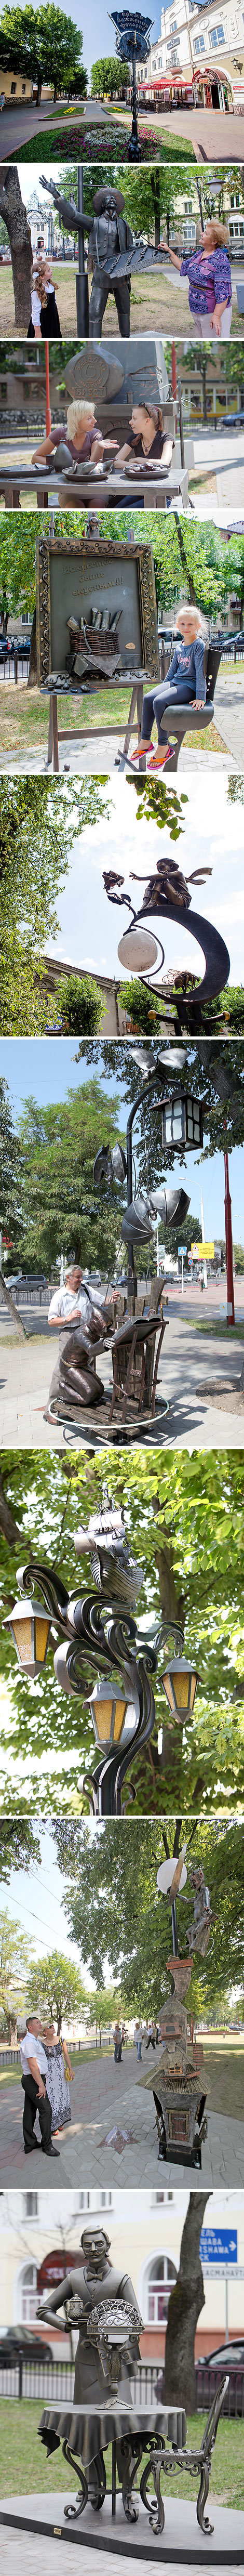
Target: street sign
x=224, y=2271
x=218, y=2245
x=182, y=1248
x=202, y=1251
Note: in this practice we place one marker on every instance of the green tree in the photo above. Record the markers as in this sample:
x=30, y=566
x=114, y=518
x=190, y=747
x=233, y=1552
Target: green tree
x=43, y=43
x=39, y=822
x=108, y=77
x=9, y=1177
x=14, y=1961
x=115, y=1910
x=19, y=1845
x=58, y=1146
x=186, y=1525
x=104, y=2005
x=56, y=1987
x=80, y=1003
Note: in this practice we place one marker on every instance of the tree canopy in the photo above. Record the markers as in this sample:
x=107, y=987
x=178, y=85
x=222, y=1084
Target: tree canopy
x=55, y=1987
x=14, y=1961
x=44, y=43
x=115, y=1912
x=40, y=820
x=108, y=77
x=19, y=1845
x=57, y=1151
x=185, y=1522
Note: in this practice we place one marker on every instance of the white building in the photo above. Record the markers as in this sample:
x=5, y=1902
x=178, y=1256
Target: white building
x=43, y=2229
x=199, y=58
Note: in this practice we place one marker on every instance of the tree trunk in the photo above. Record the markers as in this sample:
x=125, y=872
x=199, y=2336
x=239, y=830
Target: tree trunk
x=15, y=217
x=9, y=1527
x=186, y=2301
x=13, y=1311
x=32, y=672
x=155, y=186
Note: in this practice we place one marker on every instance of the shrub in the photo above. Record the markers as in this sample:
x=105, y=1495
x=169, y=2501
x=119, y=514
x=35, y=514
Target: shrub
x=81, y=1005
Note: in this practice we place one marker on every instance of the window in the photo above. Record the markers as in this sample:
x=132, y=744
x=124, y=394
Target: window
x=13, y=89
x=27, y=2294
x=199, y=44
x=31, y=2204
x=23, y=88
x=161, y=2274
x=216, y=36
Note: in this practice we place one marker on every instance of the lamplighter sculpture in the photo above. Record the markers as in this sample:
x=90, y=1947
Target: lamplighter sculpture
x=102, y=1631
x=180, y=2085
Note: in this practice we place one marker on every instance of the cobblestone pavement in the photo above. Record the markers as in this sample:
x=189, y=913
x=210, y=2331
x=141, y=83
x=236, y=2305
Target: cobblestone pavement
x=105, y=2096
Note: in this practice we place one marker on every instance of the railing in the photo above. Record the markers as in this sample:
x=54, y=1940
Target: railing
x=54, y=2383
x=76, y=2047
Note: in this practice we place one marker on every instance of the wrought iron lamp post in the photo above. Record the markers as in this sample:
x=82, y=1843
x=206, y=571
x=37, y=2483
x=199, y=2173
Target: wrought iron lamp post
x=169, y=1203
x=122, y=1704
x=166, y=895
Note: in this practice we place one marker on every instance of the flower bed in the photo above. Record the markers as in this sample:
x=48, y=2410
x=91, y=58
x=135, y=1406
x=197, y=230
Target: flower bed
x=74, y=141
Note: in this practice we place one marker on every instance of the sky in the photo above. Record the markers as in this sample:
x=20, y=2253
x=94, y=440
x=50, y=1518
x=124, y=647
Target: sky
x=35, y=1897
x=46, y=1068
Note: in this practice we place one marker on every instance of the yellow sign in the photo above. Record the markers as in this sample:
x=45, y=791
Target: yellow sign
x=202, y=1251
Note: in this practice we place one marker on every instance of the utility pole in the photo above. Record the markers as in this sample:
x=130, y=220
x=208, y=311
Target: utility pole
x=229, y=1248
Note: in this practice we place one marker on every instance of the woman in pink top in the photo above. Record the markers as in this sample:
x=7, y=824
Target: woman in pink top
x=82, y=437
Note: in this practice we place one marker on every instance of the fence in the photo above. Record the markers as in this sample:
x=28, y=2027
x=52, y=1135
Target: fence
x=53, y=2383
x=77, y=2048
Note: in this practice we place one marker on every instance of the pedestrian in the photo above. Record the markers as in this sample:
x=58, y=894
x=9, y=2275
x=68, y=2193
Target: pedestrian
x=34, y=2081
x=151, y=2035
x=137, y=2043
x=117, y=2037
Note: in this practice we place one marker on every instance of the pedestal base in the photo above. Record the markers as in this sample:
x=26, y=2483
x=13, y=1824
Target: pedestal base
x=180, y=2545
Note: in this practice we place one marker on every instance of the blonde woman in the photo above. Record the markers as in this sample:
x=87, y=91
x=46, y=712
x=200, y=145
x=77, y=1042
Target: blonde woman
x=45, y=323
x=185, y=684
x=146, y=437
x=82, y=437
x=208, y=269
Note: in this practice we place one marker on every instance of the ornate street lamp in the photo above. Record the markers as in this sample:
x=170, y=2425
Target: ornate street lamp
x=30, y=1629
x=167, y=896
x=132, y=43
x=122, y=1703
x=182, y=1121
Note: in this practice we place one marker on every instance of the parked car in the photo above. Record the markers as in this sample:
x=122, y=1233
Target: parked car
x=229, y=2357
x=20, y=2343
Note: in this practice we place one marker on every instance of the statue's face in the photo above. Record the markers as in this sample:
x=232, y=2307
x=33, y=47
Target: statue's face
x=95, y=2247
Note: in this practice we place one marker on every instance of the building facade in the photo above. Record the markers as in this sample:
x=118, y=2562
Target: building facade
x=198, y=60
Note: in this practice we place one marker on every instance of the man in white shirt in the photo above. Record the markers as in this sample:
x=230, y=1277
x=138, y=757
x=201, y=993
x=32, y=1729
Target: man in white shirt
x=34, y=2077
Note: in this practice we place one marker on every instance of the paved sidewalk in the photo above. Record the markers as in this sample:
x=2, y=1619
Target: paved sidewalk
x=223, y=2549
x=187, y=1359
x=104, y=2097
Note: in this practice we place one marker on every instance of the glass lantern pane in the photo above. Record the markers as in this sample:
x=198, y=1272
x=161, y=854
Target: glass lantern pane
x=169, y=1695
x=119, y=1718
x=102, y=1713
x=193, y=1689
x=42, y=1632
x=22, y=1631
x=181, y=1689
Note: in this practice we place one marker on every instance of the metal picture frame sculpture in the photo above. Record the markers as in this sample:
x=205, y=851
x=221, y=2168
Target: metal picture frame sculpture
x=96, y=614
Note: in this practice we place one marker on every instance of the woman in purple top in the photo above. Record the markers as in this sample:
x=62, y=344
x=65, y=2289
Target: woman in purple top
x=82, y=437
x=208, y=269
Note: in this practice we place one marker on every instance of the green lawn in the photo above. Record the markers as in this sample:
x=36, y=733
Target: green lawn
x=198, y=1324
x=24, y=719
x=105, y=141
x=25, y=2468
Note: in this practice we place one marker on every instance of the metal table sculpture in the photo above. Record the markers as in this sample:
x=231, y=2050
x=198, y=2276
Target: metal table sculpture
x=180, y=2086
x=105, y=2408
x=132, y=42
x=166, y=894
x=98, y=1628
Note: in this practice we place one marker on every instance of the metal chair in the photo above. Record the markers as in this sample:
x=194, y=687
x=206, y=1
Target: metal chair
x=195, y=719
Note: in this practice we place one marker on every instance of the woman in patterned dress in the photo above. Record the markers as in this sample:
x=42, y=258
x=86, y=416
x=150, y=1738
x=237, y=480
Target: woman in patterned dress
x=57, y=2083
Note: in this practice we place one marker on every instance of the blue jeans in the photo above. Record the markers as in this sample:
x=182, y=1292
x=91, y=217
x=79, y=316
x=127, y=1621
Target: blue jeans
x=160, y=699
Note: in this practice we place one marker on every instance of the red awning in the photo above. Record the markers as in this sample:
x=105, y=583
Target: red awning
x=55, y=2266
x=167, y=80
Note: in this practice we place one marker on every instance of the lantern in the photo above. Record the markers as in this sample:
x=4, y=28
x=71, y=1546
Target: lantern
x=180, y=1686
x=114, y=1718
x=138, y=949
x=30, y=1628
x=182, y=1121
